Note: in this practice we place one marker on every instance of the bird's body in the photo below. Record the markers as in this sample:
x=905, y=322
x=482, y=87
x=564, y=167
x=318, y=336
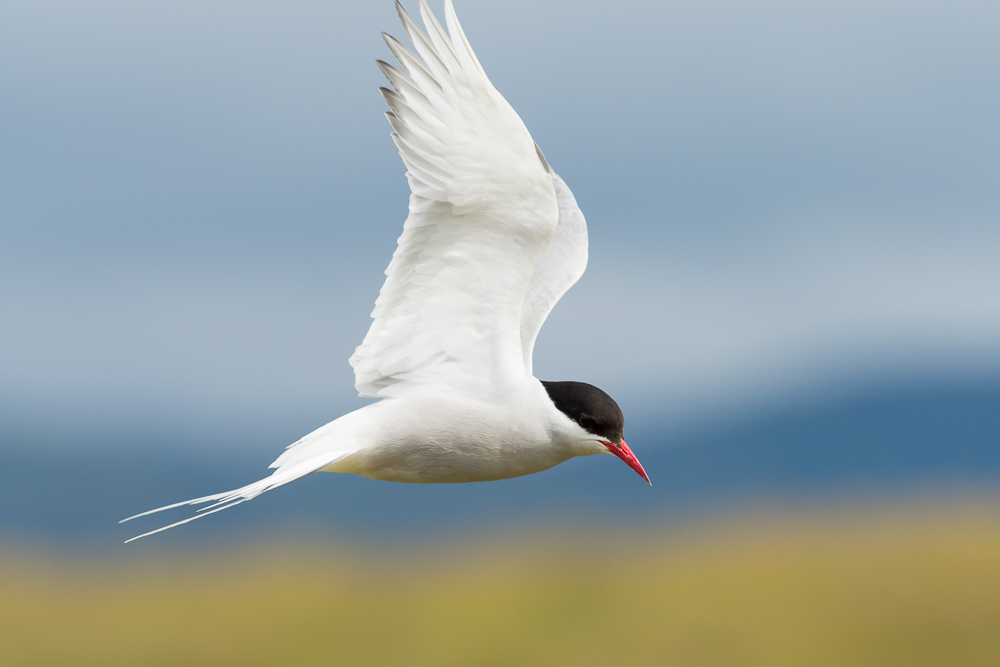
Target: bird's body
x=446, y=436
x=493, y=240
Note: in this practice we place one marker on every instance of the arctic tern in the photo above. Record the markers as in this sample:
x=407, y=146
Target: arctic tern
x=493, y=239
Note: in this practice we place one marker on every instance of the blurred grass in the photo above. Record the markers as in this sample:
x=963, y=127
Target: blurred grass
x=865, y=586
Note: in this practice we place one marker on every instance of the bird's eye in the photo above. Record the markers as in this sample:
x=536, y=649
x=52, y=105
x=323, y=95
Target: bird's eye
x=588, y=422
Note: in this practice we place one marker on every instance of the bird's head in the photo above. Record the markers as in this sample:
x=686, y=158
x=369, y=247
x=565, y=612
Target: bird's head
x=598, y=415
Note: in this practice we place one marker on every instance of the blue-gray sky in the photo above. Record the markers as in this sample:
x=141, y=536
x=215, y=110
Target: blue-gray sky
x=197, y=199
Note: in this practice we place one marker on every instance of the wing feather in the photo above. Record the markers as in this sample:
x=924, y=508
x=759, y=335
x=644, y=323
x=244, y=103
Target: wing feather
x=482, y=210
x=561, y=265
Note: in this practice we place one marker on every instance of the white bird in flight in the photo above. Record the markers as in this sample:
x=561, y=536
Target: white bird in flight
x=493, y=239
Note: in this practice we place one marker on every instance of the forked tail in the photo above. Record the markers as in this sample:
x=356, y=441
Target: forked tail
x=227, y=499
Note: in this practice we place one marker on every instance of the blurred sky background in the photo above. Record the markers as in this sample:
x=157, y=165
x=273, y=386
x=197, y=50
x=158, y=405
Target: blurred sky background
x=788, y=203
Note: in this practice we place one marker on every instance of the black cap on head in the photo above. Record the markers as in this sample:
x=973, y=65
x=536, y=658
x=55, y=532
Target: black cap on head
x=588, y=406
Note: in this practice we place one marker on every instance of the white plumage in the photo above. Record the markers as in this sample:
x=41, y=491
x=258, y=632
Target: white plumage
x=493, y=239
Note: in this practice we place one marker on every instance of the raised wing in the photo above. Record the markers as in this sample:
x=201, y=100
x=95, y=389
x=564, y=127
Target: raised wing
x=561, y=265
x=482, y=211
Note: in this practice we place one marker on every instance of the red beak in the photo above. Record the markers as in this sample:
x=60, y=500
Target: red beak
x=626, y=455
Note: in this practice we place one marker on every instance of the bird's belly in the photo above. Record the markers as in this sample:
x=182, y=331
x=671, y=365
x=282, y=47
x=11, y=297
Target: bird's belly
x=419, y=461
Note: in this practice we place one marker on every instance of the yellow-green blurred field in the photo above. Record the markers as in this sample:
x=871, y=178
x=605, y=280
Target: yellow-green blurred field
x=887, y=586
